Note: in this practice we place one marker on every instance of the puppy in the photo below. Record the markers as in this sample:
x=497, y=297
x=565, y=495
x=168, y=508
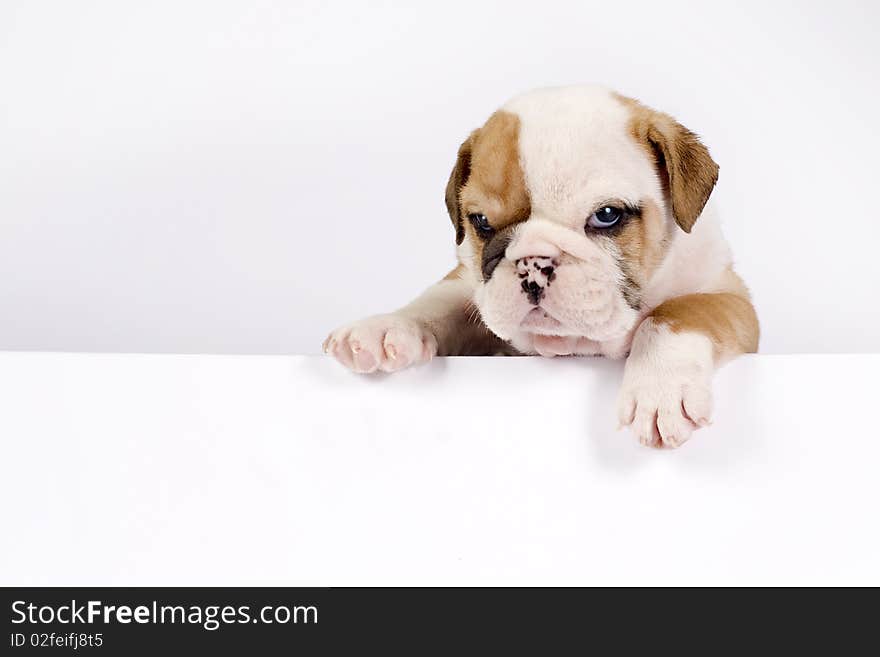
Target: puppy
x=582, y=229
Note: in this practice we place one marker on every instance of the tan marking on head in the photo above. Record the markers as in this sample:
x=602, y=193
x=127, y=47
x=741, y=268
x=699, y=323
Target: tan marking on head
x=642, y=243
x=726, y=318
x=457, y=178
x=496, y=186
x=686, y=169
x=488, y=179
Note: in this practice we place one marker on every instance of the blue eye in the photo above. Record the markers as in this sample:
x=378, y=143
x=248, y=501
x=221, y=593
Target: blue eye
x=605, y=217
x=481, y=225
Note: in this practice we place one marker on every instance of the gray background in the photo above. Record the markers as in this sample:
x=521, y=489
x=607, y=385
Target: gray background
x=242, y=177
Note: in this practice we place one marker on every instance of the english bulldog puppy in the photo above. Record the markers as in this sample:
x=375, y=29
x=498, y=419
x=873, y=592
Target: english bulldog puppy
x=582, y=229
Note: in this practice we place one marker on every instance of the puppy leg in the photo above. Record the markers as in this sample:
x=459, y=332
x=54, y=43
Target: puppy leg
x=441, y=321
x=666, y=391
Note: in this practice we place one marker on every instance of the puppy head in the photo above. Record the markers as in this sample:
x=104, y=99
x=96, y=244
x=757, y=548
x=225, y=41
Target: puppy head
x=564, y=204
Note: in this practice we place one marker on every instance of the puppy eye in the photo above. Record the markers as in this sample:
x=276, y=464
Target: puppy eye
x=605, y=217
x=481, y=225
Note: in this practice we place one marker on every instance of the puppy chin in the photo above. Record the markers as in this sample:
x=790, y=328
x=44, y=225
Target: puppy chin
x=569, y=345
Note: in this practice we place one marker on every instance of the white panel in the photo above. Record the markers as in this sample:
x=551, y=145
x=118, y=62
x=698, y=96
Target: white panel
x=235, y=470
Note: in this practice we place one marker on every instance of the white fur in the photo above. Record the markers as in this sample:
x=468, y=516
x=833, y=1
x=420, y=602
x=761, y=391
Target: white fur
x=576, y=151
x=666, y=391
x=396, y=340
x=695, y=262
x=382, y=342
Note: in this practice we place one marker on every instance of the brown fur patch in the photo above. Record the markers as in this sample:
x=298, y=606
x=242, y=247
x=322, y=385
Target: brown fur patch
x=687, y=170
x=467, y=335
x=457, y=179
x=642, y=243
x=488, y=179
x=727, y=318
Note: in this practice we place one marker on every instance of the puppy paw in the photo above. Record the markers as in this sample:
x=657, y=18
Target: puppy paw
x=384, y=343
x=665, y=399
x=667, y=412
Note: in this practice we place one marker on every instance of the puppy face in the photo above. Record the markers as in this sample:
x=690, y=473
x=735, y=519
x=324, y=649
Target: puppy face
x=565, y=203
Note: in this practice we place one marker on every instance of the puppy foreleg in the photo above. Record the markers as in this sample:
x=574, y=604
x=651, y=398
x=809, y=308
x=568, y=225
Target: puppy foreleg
x=666, y=392
x=441, y=321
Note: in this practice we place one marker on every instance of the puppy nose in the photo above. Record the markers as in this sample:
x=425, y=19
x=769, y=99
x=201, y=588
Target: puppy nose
x=536, y=273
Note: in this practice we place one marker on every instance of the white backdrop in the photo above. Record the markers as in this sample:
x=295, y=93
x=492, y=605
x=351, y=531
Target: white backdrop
x=226, y=176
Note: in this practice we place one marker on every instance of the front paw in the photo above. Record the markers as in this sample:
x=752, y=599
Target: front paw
x=384, y=342
x=664, y=405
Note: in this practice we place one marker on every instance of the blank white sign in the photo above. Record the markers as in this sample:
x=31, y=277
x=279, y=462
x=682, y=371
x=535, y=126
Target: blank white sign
x=242, y=470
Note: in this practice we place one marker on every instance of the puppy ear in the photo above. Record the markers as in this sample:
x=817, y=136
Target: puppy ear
x=685, y=166
x=459, y=176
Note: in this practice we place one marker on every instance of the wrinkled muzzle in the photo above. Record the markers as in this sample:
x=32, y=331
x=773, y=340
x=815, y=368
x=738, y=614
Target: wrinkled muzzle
x=555, y=281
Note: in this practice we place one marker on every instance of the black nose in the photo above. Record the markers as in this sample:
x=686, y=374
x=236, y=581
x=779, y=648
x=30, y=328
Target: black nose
x=534, y=291
x=536, y=273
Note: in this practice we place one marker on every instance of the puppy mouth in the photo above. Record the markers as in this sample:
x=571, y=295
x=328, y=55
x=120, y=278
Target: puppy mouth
x=538, y=320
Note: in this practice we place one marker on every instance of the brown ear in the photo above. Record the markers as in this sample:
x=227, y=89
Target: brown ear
x=689, y=171
x=460, y=173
